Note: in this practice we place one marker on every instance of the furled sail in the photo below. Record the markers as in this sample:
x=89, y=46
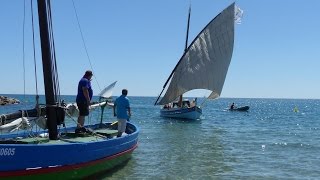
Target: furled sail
x=205, y=63
x=72, y=108
x=107, y=92
x=20, y=123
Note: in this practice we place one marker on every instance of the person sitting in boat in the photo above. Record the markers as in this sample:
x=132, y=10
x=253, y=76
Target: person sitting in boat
x=186, y=104
x=166, y=106
x=193, y=103
x=232, y=106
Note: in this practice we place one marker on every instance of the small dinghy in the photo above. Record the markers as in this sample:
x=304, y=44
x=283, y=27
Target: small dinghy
x=242, y=108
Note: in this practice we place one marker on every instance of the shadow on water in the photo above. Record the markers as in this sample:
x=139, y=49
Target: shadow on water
x=180, y=120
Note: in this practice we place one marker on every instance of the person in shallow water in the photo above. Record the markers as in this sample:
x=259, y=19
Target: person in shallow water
x=84, y=97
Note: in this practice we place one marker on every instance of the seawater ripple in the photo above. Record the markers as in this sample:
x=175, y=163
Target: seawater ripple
x=270, y=141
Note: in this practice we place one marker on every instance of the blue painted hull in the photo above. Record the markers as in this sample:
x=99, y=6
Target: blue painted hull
x=20, y=157
x=192, y=113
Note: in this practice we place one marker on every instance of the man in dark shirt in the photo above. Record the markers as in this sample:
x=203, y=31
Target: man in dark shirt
x=84, y=97
x=232, y=106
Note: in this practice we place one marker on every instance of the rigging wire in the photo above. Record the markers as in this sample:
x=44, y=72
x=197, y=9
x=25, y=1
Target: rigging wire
x=54, y=66
x=84, y=44
x=177, y=65
x=34, y=56
x=204, y=101
x=23, y=53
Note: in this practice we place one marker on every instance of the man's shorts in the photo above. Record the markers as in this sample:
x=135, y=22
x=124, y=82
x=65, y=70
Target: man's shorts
x=83, y=108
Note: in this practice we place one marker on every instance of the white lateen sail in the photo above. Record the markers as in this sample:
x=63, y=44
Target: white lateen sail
x=205, y=63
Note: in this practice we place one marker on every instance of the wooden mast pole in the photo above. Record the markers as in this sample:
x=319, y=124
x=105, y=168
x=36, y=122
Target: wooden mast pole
x=47, y=70
x=185, y=50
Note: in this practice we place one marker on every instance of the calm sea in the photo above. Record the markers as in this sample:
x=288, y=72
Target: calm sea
x=271, y=141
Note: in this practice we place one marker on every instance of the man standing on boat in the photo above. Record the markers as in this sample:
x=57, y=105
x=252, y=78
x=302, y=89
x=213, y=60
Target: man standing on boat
x=84, y=97
x=121, y=109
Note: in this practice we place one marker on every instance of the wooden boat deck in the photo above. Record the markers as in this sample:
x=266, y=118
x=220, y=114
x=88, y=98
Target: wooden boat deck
x=69, y=137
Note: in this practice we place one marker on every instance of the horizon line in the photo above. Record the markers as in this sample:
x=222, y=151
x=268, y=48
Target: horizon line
x=186, y=96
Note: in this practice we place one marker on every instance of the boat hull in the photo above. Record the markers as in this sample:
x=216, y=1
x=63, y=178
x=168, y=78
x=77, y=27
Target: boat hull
x=66, y=160
x=80, y=171
x=243, y=108
x=192, y=113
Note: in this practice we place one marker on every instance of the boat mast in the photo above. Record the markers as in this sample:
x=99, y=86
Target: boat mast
x=51, y=110
x=186, y=47
x=185, y=50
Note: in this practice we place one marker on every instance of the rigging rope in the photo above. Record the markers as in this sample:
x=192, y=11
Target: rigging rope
x=53, y=55
x=84, y=44
x=34, y=57
x=53, y=64
x=23, y=53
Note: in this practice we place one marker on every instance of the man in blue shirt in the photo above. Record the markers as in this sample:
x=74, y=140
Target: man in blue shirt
x=121, y=109
x=84, y=97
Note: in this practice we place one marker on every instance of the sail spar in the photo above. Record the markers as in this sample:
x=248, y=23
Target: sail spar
x=205, y=63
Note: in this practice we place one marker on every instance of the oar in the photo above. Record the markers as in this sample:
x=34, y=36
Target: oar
x=114, y=123
x=91, y=131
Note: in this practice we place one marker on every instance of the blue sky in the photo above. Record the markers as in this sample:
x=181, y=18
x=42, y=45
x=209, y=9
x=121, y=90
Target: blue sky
x=138, y=43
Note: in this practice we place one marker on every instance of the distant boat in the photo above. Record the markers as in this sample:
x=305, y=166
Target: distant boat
x=203, y=65
x=58, y=153
x=188, y=110
x=242, y=108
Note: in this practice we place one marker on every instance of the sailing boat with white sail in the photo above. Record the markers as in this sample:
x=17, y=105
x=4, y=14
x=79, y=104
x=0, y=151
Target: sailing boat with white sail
x=203, y=65
x=59, y=153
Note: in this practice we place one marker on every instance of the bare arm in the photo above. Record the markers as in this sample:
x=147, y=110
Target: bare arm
x=129, y=111
x=114, y=110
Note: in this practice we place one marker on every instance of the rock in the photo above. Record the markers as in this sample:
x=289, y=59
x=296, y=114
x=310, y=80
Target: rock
x=7, y=100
